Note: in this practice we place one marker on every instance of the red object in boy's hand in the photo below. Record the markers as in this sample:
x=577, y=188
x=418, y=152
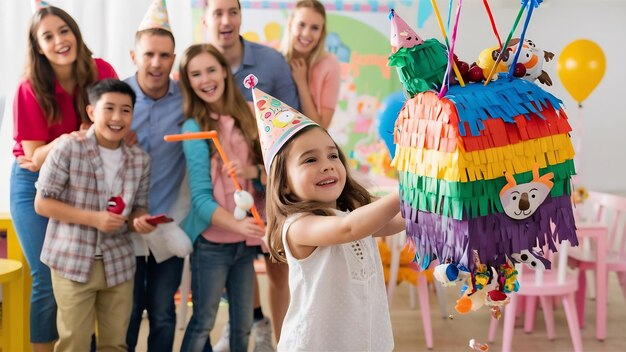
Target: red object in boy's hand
x=159, y=219
x=116, y=205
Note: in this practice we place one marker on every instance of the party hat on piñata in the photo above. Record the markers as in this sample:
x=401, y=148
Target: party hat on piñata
x=484, y=174
x=156, y=17
x=421, y=65
x=402, y=35
x=277, y=121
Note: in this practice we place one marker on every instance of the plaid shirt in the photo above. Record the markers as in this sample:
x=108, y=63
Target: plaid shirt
x=73, y=174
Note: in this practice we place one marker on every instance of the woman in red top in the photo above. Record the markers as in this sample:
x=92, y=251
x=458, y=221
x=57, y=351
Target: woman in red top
x=50, y=103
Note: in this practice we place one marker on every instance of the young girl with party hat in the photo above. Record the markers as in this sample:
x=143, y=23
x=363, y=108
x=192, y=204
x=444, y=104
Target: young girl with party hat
x=322, y=223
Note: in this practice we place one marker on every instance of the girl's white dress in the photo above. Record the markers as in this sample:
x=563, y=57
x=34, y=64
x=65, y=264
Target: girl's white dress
x=338, y=299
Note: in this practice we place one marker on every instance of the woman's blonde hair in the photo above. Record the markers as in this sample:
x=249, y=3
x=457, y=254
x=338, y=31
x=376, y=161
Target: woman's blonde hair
x=280, y=205
x=233, y=102
x=39, y=71
x=286, y=46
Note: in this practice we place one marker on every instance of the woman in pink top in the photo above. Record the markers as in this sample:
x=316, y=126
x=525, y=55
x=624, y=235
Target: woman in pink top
x=50, y=102
x=316, y=72
x=224, y=247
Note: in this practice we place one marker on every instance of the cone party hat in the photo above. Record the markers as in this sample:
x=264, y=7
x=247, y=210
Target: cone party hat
x=156, y=17
x=277, y=121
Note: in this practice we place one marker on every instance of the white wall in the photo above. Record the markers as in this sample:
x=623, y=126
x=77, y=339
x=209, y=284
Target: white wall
x=108, y=27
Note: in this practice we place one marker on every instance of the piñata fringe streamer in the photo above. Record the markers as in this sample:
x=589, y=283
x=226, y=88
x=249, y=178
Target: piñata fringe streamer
x=464, y=200
x=502, y=99
x=421, y=67
x=495, y=237
x=484, y=164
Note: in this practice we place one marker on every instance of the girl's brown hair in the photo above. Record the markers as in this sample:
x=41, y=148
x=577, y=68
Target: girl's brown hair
x=41, y=76
x=281, y=205
x=286, y=46
x=233, y=102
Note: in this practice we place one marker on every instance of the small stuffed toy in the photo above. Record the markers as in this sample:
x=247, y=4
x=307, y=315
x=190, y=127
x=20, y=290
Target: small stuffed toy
x=449, y=274
x=244, y=202
x=532, y=58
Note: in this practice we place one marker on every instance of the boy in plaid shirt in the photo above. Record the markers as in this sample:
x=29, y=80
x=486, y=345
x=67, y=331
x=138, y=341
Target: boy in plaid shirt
x=95, y=191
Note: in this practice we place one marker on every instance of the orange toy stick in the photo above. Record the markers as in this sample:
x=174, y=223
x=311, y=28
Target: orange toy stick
x=213, y=136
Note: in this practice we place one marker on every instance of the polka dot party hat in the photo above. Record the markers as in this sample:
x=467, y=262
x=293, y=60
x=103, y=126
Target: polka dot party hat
x=277, y=121
x=156, y=17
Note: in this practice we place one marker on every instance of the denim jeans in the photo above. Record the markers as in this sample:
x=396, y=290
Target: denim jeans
x=155, y=286
x=215, y=266
x=31, y=231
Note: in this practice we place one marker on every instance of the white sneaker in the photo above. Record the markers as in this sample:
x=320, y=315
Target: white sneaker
x=263, y=336
x=223, y=344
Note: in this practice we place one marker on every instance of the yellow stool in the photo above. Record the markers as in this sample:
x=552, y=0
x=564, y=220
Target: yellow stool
x=11, y=278
x=19, y=321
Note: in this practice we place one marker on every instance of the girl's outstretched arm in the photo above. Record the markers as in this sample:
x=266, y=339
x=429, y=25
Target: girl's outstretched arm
x=315, y=231
x=394, y=226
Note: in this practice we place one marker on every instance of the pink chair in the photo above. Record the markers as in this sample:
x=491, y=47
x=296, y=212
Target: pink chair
x=605, y=223
x=545, y=286
x=396, y=244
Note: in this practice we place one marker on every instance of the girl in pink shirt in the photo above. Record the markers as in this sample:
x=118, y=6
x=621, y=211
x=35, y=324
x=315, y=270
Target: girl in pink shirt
x=224, y=247
x=317, y=73
x=49, y=103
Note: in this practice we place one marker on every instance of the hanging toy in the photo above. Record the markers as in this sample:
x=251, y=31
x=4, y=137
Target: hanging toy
x=449, y=274
x=475, y=292
x=532, y=58
x=533, y=260
x=487, y=60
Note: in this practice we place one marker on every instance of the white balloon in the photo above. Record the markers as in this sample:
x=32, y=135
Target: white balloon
x=244, y=200
x=239, y=213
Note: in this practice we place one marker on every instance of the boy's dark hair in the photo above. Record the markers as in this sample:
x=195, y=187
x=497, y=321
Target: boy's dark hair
x=109, y=86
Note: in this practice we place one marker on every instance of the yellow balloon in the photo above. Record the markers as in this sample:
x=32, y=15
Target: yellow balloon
x=251, y=37
x=272, y=31
x=581, y=67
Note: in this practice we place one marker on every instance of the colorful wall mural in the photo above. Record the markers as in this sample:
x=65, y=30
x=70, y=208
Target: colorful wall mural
x=358, y=34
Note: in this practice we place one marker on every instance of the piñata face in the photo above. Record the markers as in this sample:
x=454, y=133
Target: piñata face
x=521, y=201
